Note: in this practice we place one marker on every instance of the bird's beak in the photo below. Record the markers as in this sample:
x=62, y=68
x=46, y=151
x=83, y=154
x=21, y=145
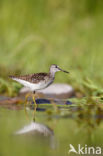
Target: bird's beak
x=63, y=70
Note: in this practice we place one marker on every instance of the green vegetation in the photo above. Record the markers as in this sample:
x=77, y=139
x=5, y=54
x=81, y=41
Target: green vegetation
x=36, y=34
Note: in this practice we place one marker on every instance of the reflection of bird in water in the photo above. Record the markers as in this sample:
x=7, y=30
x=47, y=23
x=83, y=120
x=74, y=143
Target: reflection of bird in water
x=38, y=81
x=35, y=128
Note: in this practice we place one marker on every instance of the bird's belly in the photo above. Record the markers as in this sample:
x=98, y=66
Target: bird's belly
x=38, y=86
x=34, y=86
x=43, y=85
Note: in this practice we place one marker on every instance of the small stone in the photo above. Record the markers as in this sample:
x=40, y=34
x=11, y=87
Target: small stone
x=56, y=90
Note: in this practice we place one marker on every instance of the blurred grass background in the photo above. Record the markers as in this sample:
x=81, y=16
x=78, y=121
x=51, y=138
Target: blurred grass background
x=37, y=33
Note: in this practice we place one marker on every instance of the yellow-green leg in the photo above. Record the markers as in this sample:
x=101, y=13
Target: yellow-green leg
x=26, y=98
x=35, y=105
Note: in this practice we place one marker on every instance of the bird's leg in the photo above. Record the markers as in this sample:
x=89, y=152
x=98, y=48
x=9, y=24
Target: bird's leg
x=35, y=104
x=27, y=95
x=26, y=98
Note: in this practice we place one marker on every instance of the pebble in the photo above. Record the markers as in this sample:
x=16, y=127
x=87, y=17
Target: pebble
x=56, y=90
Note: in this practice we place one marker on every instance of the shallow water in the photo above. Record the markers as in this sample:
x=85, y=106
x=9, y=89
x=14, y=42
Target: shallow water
x=56, y=132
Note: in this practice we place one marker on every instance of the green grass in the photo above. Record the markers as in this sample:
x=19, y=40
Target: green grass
x=36, y=34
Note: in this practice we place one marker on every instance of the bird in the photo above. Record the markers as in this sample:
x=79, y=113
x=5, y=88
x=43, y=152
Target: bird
x=38, y=81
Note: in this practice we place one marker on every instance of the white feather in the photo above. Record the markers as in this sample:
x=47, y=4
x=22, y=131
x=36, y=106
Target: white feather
x=32, y=86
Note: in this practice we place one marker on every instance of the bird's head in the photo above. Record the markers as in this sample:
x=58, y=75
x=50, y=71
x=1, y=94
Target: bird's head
x=54, y=68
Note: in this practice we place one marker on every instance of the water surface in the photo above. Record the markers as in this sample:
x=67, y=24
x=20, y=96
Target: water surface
x=61, y=128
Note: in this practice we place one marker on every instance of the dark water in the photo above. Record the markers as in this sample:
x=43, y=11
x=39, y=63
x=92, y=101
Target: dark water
x=51, y=133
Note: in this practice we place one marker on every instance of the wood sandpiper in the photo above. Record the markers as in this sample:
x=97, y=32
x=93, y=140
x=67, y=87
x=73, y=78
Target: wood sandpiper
x=38, y=81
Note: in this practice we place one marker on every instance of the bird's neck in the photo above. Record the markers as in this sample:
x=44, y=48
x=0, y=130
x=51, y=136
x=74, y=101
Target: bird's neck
x=52, y=74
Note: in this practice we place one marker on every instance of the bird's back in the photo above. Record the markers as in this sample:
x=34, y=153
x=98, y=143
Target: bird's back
x=32, y=78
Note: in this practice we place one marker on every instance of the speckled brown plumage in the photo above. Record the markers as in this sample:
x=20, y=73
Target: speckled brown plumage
x=38, y=81
x=33, y=78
